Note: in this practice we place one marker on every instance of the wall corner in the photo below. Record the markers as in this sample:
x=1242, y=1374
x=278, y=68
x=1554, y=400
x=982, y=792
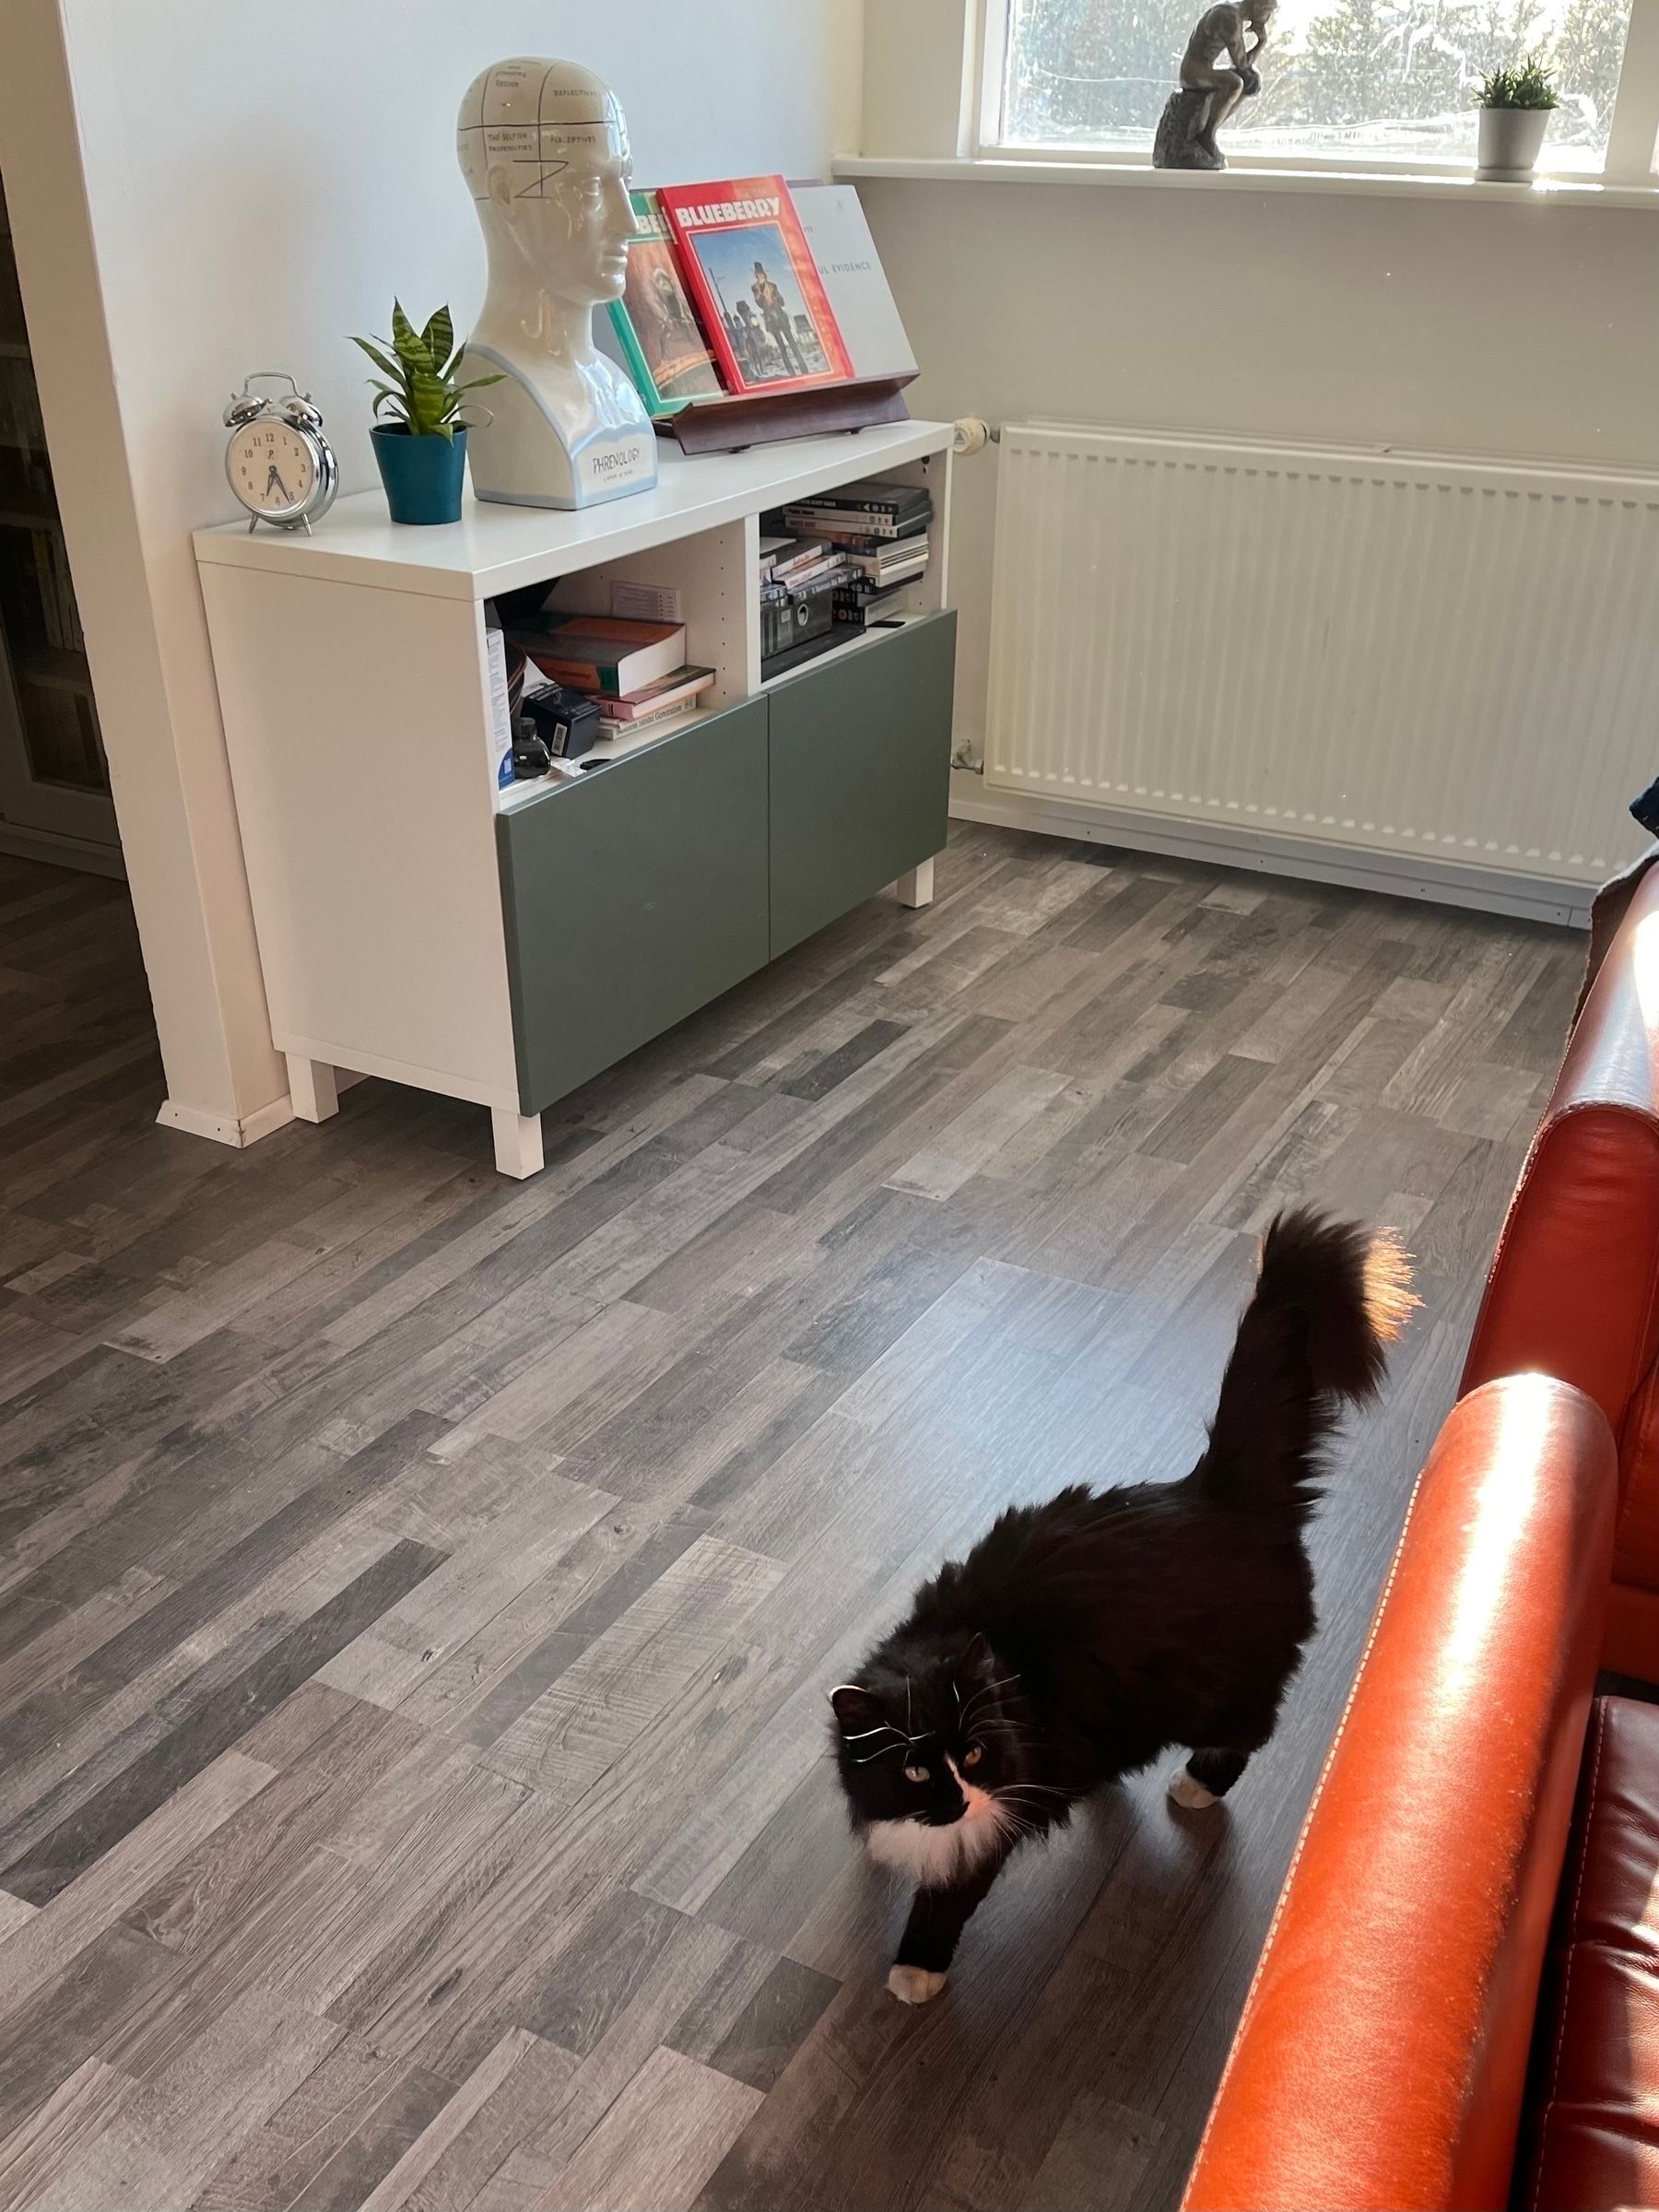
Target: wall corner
x=920, y=76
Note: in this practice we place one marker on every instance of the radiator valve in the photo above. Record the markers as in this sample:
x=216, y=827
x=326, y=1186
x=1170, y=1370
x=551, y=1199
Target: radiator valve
x=972, y=435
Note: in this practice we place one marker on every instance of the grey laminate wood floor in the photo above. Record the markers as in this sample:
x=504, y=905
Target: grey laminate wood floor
x=417, y=1591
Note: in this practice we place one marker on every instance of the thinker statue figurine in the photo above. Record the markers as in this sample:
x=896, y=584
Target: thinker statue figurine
x=1218, y=71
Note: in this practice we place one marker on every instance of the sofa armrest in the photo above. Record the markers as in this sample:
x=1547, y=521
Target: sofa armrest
x=1573, y=1288
x=1381, y=2054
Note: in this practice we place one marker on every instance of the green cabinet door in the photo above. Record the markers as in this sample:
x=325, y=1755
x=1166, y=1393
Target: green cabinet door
x=632, y=897
x=860, y=772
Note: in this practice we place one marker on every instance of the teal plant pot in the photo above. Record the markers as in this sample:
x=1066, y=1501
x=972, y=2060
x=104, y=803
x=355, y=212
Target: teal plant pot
x=422, y=475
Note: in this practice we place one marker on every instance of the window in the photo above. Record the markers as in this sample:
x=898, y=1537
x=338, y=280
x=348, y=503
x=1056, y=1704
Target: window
x=1343, y=80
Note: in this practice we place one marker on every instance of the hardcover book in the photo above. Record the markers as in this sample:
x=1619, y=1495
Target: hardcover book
x=833, y=222
x=684, y=685
x=597, y=653
x=757, y=287
x=655, y=322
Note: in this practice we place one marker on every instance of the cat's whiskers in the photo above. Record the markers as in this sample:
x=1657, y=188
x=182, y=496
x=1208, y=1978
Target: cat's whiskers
x=1034, y=1809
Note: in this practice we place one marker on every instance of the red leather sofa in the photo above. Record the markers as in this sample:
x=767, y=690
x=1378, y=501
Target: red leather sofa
x=1574, y=1286
x=1457, y=2004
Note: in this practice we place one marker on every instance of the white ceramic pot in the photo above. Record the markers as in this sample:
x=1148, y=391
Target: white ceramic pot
x=1511, y=141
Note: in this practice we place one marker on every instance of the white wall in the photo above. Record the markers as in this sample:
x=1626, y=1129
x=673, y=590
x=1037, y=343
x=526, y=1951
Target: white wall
x=256, y=184
x=1525, y=330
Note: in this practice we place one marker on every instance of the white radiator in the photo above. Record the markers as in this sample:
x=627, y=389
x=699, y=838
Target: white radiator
x=1450, y=661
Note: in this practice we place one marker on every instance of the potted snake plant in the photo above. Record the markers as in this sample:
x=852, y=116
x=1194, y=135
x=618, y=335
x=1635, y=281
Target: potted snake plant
x=1515, y=107
x=422, y=447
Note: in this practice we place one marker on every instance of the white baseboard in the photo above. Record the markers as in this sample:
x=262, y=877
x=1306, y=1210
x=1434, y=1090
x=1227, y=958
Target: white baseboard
x=226, y=1129
x=63, y=852
x=1399, y=876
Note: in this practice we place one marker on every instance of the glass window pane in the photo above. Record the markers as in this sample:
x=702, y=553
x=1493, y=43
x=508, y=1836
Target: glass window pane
x=1341, y=78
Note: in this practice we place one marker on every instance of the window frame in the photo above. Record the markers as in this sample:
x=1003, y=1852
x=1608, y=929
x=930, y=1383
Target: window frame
x=1632, y=160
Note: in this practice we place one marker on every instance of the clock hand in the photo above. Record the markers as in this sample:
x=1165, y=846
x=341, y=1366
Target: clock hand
x=275, y=478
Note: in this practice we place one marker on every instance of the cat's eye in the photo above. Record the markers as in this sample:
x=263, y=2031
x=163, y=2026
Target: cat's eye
x=915, y=1773
x=972, y=1757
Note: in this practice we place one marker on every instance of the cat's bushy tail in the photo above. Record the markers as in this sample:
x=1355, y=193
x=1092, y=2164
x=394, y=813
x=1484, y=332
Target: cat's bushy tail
x=1330, y=1297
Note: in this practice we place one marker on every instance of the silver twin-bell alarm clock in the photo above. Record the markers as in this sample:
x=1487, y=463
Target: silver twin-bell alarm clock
x=281, y=465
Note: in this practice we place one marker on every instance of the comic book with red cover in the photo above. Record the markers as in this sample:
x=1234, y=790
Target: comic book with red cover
x=757, y=287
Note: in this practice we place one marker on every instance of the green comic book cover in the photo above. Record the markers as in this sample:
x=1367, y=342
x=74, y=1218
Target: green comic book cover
x=655, y=322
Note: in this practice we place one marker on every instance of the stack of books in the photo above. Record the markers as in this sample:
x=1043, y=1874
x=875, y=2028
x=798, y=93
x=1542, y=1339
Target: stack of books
x=636, y=672
x=878, y=528
x=837, y=562
x=798, y=561
x=878, y=508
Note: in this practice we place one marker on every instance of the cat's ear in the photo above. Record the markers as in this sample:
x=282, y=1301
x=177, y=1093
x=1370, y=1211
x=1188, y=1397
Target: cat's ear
x=979, y=1658
x=856, y=1708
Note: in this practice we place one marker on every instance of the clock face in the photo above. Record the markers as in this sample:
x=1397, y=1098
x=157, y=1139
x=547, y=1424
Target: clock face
x=272, y=468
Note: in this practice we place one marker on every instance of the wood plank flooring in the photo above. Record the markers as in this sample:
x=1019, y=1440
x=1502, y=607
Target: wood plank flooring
x=419, y=1591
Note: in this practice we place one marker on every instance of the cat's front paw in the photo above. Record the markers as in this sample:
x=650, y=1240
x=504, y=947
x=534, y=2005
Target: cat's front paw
x=1193, y=1795
x=915, y=1985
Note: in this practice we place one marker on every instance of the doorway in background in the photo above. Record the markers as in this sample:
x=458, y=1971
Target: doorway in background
x=54, y=781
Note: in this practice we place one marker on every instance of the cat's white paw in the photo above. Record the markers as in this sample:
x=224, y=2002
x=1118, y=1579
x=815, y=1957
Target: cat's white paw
x=915, y=1985
x=1193, y=1795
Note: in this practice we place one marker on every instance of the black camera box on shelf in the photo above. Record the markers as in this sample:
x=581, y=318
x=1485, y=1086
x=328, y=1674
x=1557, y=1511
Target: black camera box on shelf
x=794, y=615
x=566, y=720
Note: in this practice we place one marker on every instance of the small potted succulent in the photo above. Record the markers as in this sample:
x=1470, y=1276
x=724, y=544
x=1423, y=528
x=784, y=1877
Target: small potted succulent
x=1515, y=107
x=422, y=449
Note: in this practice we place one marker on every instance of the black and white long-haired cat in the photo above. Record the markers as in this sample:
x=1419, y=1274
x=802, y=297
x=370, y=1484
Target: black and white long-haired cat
x=1081, y=1638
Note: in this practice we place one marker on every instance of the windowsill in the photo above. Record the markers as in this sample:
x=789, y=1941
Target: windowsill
x=1388, y=183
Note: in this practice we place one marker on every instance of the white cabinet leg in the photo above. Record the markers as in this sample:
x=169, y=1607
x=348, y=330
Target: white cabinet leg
x=518, y=1142
x=915, y=887
x=313, y=1088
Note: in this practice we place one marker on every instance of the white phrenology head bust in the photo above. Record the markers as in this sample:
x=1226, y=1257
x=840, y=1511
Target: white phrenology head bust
x=544, y=149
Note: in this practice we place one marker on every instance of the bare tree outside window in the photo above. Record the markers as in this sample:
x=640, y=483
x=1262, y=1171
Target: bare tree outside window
x=1363, y=78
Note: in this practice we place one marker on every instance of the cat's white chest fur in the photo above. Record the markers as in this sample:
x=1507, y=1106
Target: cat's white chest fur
x=934, y=1857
